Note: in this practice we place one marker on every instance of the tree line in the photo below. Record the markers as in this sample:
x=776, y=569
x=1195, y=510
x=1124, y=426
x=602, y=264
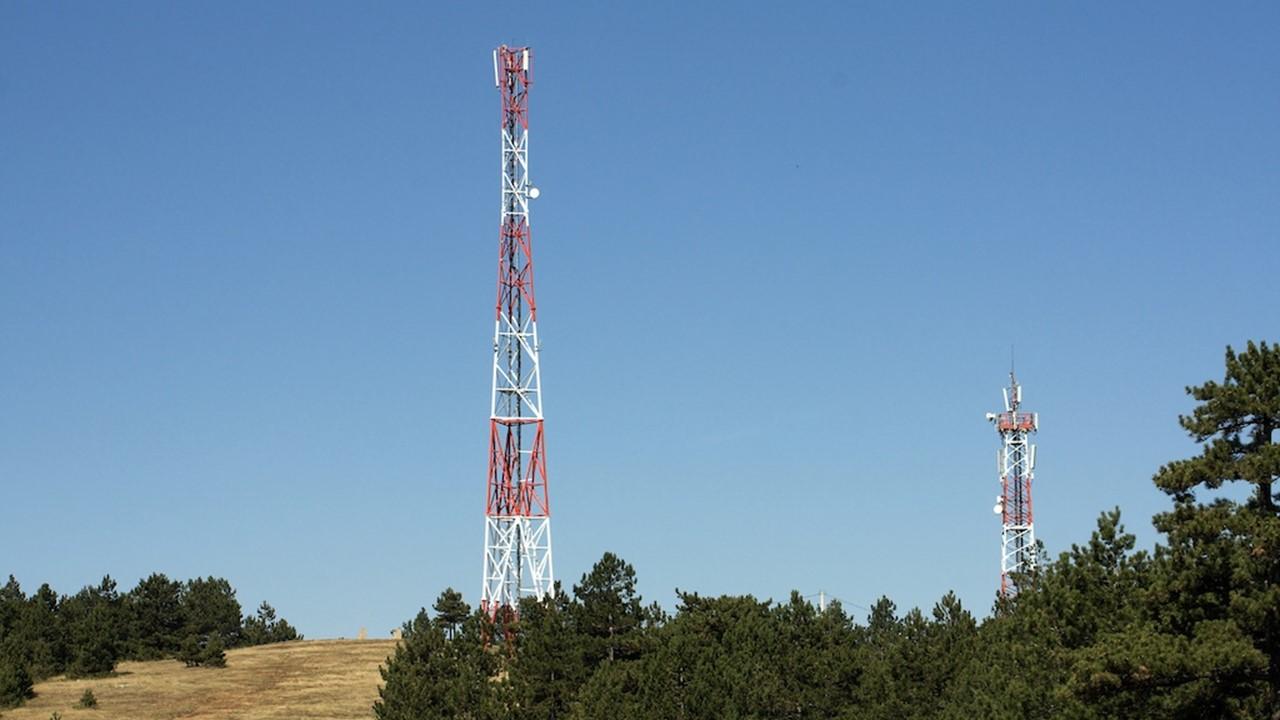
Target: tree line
x=1188, y=630
x=86, y=634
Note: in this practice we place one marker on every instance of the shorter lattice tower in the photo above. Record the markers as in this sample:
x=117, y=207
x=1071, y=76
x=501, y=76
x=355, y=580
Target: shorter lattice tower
x=1015, y=464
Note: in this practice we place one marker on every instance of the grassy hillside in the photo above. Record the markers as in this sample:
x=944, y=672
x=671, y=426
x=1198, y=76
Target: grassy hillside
x=329, y=679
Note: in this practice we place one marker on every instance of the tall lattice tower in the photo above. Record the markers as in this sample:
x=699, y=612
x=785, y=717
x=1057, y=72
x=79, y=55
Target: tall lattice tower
x=517, y=524
x=1015, y=463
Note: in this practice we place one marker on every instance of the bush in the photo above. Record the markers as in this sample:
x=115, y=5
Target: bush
x=189, y=651
x=212, y=655
x=208, y=653
x=87, y=700
x=15, y=683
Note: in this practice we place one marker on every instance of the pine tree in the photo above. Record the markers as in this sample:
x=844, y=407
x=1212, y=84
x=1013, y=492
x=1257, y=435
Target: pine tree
x=256, y=629
x=548, y=668
x=95, y=618
x=1222, y=565
x=431, y=677
x=1236, y=420
x=155, y=617
x=209, y=607
x=15, y=683
x=42, y=633
x=189, y=651
x=451, y=612
x=610, y=611
x=212, y=654
x=282, y=631
x=265, y=627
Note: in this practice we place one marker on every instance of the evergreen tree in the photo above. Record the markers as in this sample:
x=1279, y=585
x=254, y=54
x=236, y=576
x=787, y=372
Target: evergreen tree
x=431, y=677
x=15, y=683
x=189, y=651
x=209, y=607
x=817, y=649
x=1222, y=563
x=155, y=617
x=610, y=611
x=548, y=668
x=265, y=627
x=282, y=631
x=1235, y=420
x=256, y=629
x=40, y=635
x=212, y=654
x=451, y=612
x=97, y=628
x=12, y=602
x=95, y=643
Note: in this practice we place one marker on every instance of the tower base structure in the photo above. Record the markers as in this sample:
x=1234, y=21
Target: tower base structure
x=517, y=560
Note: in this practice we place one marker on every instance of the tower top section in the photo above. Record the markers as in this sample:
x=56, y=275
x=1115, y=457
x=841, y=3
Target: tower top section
x=1012, y=419
x=508, y=61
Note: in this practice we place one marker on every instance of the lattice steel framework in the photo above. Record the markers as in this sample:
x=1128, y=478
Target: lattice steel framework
x=1015, y=463
x=517, y=528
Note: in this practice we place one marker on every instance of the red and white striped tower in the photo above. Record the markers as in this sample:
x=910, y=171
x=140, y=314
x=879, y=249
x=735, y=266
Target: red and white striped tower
x=1015, y=463
x=517, y=524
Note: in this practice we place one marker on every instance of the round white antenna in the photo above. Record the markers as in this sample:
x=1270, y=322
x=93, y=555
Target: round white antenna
x=534, y=193
x=997, y=509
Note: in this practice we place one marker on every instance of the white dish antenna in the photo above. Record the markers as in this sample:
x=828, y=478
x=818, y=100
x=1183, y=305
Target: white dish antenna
x=534, y=193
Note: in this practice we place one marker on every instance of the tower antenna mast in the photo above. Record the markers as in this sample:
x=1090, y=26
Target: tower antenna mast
x=517, y=526
x=1015, y=464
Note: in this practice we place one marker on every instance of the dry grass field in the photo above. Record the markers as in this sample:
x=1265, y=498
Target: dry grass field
x=329, y=679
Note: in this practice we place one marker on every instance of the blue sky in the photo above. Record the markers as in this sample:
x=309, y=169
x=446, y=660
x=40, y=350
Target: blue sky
x=247, y=263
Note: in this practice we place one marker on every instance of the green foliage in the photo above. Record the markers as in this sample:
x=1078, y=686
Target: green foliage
x=15, y=683
x=97, y=627
x=210, y=608
x=609, y=611
x=212, y=654
x=451, y=612
x=265, y=628
x=203, y=652
x=1235, y=421
x=548, y=667
x=88, y=700
x=1219, y=576
x=87, y=633
x=38, y=636
x=431, y=676
x=190, y=651
x=156, y=618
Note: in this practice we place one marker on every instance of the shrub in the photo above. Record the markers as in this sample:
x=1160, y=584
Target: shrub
x=189, y=651
x=212, y=655
x=15, y=683
x=87, y=700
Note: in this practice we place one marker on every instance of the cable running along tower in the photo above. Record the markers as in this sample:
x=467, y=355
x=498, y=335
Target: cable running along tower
x=517, y=524
x=1015, y=464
